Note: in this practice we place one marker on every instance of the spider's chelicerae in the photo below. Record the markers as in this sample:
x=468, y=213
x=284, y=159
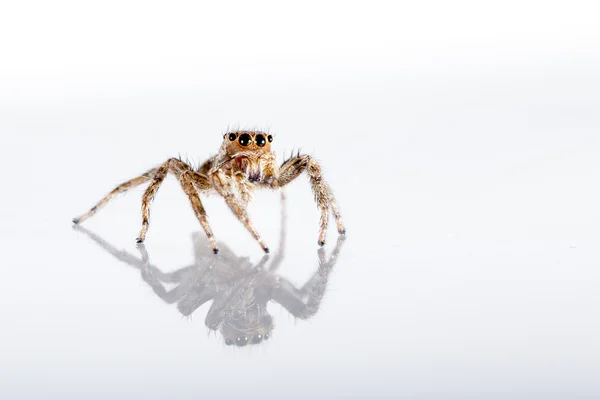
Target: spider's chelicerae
x=244, y=162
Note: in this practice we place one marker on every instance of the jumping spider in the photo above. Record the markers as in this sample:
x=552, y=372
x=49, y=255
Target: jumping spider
x=244, y=162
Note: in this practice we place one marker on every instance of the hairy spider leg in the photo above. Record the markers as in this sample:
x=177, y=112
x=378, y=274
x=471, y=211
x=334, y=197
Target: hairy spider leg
x=292, y=168
x=190, y=181
x=223, y=185
x=122, y=188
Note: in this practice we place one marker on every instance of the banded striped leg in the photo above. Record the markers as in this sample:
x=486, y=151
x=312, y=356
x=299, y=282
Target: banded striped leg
x=122, y=188
x=190, y=181
x=223, y=186
x=292, y=168
x=338, y=217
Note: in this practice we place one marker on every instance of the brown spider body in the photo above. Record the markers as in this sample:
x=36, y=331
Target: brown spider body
x=256, y=163
x=244, y=162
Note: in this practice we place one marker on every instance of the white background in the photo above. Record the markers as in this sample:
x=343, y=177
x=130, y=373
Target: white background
x=460, y=138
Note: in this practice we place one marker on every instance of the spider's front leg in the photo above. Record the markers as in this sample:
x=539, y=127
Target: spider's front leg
x=223, y=184
x=292, y=168
x=191, y=181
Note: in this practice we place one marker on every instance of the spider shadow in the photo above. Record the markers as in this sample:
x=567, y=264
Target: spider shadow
x=239, y=289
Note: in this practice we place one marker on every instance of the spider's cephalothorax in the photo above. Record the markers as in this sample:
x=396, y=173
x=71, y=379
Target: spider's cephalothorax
x=244, y=162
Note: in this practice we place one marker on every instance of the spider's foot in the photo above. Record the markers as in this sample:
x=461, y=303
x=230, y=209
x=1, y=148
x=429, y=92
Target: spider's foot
x=342, y=231
x=75, y=221
x=321, y=243
x=139, y=240
x=215, y=251
x=266, y=249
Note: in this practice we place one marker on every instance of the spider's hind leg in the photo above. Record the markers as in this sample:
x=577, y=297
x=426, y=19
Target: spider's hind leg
x=122, y=188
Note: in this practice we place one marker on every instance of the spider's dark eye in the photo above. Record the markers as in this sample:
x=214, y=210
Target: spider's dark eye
x=232, y=136
x=260, y=140
x=270, y=138
x=245, y=139
x=228, y=342
x=241, y=341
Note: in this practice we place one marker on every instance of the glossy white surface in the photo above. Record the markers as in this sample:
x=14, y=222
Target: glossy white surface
x=464, y=158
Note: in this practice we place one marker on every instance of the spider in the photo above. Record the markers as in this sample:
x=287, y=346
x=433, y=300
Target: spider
x=244, y=162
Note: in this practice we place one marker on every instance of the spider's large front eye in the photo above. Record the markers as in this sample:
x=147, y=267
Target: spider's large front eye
x=245, y=139
x=260, y=140
x=232, y=136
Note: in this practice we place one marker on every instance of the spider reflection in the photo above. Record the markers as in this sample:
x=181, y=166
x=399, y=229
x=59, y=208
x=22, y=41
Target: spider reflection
x=239, y=290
